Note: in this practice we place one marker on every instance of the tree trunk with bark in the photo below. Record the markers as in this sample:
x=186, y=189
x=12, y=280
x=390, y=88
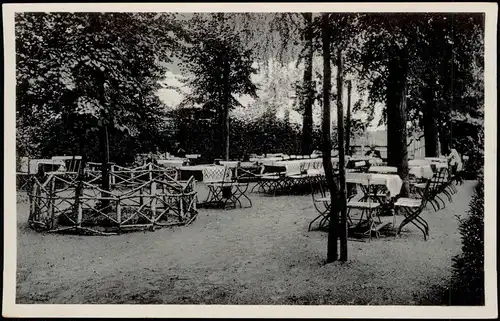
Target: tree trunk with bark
x=430, y=123
x=397, y=151
x=445, y=137
x=308, y=100
x=104, y=146
x=348, y=120
x=332, y=251
x=81, y=171
x=342, y=190
x=103, y=135
x=226, y=94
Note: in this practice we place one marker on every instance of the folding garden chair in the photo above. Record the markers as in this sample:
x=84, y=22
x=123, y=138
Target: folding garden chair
x=412, y=208
x=240, y=192
x=271, y=182
x=321, y=201
x=436, y=186
x=219, y=185
x=368, y=207
x=448, y=187
x=227, y=190
x=260, y=184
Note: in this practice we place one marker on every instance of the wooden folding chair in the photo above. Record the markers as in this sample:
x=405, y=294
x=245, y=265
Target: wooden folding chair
x=321, y=201
x=412, y=208
x=436, y=186
x=219, y=189
x=368, y=207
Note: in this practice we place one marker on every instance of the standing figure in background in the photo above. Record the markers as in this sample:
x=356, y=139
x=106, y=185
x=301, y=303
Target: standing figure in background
x=454, y=161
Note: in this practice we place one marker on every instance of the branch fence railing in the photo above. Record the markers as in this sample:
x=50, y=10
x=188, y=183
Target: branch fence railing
x=143, y=197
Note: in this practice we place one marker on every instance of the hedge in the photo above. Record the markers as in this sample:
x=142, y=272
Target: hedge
x=468, y=267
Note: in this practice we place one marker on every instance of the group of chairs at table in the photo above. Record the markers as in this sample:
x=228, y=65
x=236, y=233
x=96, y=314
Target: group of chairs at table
x=374, y=191
x=287, y=176
x=228, y=181
x=226, y=185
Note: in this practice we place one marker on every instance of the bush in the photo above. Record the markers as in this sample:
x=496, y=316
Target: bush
x=468, y=267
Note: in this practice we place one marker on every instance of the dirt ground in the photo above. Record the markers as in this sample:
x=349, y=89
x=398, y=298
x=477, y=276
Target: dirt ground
x=259, y=255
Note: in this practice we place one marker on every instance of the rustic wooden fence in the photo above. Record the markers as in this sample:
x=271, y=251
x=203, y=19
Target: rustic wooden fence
x=147, y=197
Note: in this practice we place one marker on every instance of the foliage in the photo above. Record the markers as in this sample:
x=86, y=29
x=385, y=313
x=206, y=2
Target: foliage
x=468, y=267
x=218, y=67
x=78, y=71
x=210, y=43
x=271, y=36
x=445, y=54
x=91, y=69
x=265, y=134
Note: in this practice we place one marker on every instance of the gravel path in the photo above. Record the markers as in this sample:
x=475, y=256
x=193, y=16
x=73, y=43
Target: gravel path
x=261, y=255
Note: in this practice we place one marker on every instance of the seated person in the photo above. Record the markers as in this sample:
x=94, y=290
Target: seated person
x=179, y=151
x=373, y=153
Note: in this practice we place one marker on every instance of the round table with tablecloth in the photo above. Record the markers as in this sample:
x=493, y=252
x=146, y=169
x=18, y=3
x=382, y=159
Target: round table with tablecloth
x=422, y=168
x=421, y=171
x=392, y=182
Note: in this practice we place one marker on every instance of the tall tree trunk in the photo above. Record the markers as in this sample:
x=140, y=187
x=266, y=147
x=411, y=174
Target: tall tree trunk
x=430, y=125
x=342, y=192
x=217, y=130
x=445, y=137
x=81, y=171
x=348, y=120
x=103, y=135
x=226, y=96
x=308, y=100
x=332, y=251
x=397, y=151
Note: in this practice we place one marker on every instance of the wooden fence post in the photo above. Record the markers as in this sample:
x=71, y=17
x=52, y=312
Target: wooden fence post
x=181, y=204
x=30, y=197
x=141, y=197
x=119, y=212
x=80, y=213
x=51, y=201
x=112, y=176
x=195, y=196
x=37, y=201
x=153, y=201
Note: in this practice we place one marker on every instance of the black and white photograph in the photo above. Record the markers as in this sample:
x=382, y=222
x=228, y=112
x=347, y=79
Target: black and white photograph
x=266, y=159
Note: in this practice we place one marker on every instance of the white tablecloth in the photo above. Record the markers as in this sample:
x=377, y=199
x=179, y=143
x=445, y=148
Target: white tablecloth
x=391, y=181
x=266, y=161
x=364, y=159
x=426, y=162
x=211, y=173
x=230, y=164
x=33, y=164
x=437, y=159
x=418, y=162
x=440, y=165
x=422, y=171
x=171, y=162
x=294, y=167
x=375, y=161
x=383, y=169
